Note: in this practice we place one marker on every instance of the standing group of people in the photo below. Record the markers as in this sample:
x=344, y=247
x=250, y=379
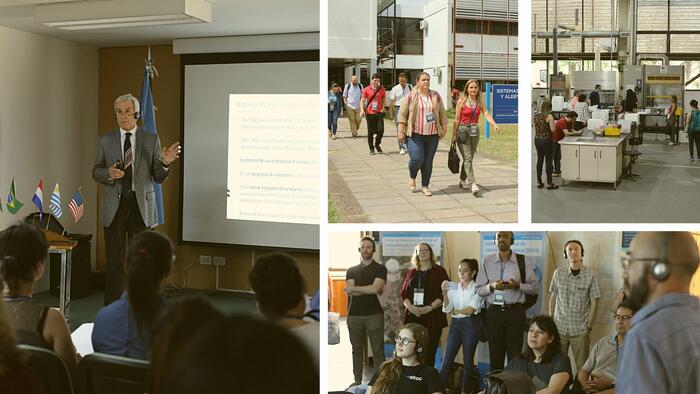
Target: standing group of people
x=489, y=301
x=420, y=119
x=548, y=133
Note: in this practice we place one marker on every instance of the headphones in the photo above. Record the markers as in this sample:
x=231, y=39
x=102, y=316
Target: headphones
x=660, y=271
x=512, y=238
x=575, y=241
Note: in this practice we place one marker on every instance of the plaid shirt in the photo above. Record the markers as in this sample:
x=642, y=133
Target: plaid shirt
x=573, y=295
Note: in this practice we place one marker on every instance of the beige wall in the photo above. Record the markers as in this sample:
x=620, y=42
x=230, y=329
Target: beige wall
x=121, y=71
x=48, y=118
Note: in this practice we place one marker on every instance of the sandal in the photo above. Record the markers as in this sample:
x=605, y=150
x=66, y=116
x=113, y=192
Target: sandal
x=412, y=185
x=552, y=186
x=426, y=191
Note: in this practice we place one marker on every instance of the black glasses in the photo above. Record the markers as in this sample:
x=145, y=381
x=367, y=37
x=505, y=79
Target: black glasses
x=404, y=341
x=621, y=317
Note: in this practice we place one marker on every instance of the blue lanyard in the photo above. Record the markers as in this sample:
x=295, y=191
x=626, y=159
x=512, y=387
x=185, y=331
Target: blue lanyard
x=471, y=118
x=503, y=267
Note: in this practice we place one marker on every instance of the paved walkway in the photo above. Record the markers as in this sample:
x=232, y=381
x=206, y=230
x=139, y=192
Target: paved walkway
x=374, y=189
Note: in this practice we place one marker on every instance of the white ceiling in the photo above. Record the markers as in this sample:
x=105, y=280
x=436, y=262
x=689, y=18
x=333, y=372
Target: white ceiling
x=229, y=18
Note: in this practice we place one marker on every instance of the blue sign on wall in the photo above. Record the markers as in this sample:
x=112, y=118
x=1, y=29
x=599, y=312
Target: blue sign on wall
x=505, y=104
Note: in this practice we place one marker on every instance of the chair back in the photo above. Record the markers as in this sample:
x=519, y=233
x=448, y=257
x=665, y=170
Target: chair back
x=108, y=374
x=49, y=371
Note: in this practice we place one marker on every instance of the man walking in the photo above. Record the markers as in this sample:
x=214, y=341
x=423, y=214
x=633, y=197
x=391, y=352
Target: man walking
x=372, y=105
x=351, y=96
x=398, y=93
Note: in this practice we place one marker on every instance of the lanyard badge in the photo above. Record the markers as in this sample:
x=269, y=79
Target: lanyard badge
x=418, y=297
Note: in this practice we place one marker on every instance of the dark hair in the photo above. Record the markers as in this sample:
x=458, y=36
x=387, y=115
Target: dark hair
x=573, y=241
x=627, y=304
x=22, y=247
x=546, y=324
x=335, y=85
x=277, y=283
x=473, y=265
x=171, y=331
x=376, y=76
x=582, y=97
x=389, y=372
x=149, y=259
x=693, y=103
x=402, y=75
x=572, y=115
x=242, y=354
x=597, y=86
x=374, y=245
x=674, y=99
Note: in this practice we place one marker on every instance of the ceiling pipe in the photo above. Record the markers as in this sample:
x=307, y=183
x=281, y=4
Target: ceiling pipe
x=663, y=58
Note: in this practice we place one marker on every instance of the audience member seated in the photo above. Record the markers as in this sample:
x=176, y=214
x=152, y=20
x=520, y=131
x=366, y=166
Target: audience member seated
x=172, y=329
x=600, y=370
x=123, y=328
x=23, y=248
x=279, y=289
x=406, y=373
x=243, y=355
x=15, y=377
x=542, y=360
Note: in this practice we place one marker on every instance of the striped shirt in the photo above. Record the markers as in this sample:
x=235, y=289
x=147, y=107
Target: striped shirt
x=574, y=295
x=662, y=349
x=425, y=111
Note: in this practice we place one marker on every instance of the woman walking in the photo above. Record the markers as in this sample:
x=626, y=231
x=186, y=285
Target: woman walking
x=466, y=131
x=334, y=107
x=422, y=123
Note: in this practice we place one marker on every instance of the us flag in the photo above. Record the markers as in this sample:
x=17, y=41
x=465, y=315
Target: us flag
x=76, y=206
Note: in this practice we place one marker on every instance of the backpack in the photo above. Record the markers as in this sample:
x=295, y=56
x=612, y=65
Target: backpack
x=694, y=120
x=347, y=87
x=530, y=299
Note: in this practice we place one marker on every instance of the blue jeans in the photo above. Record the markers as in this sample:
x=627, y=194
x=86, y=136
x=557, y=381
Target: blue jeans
x=396, y=123
x=421, y=151
x=333, y=121
x=463, y=332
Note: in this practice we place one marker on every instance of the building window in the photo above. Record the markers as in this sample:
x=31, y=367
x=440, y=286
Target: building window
x=409, y=36
x=475, y=26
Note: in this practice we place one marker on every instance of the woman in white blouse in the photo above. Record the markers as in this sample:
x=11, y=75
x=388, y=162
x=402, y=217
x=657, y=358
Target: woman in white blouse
x=463, y=304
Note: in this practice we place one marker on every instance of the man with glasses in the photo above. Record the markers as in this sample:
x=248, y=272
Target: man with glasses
x=573, y=301
x=662, y=349
x=599, y=371
x=364, y=282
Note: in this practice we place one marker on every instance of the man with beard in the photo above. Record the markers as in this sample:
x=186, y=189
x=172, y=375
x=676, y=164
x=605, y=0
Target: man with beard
x=499, y=282
x=599, y=371
x=662, y=349
x=363, y=283
x=573, y=301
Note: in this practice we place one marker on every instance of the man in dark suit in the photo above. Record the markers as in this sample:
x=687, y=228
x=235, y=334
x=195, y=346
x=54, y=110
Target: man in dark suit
x=126, y=164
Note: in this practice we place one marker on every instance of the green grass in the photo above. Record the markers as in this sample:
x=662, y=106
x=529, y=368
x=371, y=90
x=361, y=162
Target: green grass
x=502, y=145
x=333, y=216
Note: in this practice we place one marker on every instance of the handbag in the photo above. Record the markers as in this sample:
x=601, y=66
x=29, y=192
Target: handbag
x=453, y=159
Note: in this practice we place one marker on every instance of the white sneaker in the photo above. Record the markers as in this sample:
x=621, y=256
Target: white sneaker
x=463, y=184
x=671, y=144
x=402, y=151
x=475, y=189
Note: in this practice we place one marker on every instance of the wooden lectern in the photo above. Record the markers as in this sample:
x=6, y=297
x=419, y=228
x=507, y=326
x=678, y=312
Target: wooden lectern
x=63, y=246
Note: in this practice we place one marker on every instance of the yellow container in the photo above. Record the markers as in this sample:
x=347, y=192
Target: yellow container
x=612, y=131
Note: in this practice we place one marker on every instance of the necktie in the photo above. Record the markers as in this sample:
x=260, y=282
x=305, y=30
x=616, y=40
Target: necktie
x=128, y=161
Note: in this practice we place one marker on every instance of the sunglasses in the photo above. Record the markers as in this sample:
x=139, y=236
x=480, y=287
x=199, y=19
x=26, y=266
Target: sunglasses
x=404, y=340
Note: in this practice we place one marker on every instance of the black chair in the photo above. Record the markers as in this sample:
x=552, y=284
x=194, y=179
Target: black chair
x=49, y=371
x=108, y=374
x=636, y=138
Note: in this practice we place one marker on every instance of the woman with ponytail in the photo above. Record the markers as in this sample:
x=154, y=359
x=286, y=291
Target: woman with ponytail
x=123, y=328
x=406, y=372
x=23, y=248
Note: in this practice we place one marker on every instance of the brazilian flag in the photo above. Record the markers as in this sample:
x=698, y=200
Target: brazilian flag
x=13, y=204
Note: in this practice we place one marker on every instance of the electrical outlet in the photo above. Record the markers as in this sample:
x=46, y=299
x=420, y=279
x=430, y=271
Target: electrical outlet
x=219, y=260
x=205, y=260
